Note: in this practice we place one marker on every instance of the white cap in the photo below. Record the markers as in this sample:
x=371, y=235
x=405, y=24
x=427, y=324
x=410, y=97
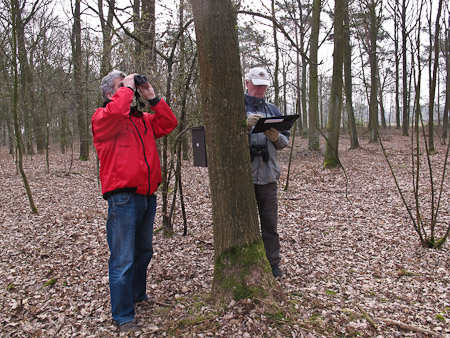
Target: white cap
x=259, y=76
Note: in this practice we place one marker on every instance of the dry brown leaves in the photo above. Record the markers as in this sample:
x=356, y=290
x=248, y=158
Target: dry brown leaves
x=343, y=256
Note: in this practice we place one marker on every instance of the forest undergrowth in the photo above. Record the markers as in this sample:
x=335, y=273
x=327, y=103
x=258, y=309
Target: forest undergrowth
x=352, y=261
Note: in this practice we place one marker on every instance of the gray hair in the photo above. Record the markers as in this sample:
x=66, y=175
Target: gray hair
x=107, y=84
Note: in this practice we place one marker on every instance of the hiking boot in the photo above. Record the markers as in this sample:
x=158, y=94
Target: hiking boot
x=276, y=271
x=129, y=327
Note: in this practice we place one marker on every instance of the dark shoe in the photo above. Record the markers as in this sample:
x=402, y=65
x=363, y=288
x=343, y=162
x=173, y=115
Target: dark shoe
x=146, y=303
x=129, y=327
x=276, y=271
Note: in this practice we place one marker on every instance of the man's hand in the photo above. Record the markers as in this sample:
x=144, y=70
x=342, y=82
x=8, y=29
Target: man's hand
x=147, y=91
x=273, y=134
x=252, y=119
x=129, y=81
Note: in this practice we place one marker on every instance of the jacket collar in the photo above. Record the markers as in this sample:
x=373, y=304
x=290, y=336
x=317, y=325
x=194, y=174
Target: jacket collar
x=256, y=102
x=135, y=113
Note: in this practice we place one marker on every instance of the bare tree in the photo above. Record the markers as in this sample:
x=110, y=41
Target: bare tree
x=14, y=10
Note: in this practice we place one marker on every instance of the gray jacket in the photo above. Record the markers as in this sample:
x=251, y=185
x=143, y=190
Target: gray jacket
x=265, y=169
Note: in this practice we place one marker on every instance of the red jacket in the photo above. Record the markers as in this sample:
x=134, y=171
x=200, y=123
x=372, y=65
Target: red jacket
x=126, y=144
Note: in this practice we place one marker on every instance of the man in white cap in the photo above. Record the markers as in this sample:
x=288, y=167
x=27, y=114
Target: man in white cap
x=265, y=168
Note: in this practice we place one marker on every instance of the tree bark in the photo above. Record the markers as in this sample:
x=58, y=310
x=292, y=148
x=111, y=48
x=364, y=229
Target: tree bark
x=433, y=80
x=78, y=97
x=354, y=143
x=106, y=26
x=14, y=10
x=241, y=267
x=397, y=67
x=313, y=142
x=405, y=125
x=148, y=31
x=276, y=85
x=373, y=102
x=447, y=84
x=331, y=157
x=26, y=80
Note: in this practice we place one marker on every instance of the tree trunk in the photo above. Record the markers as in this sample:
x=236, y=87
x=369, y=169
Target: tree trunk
x=405, y=126
x=276, y=85
x=14, y=10
x=397, y=67
x=304, y=117
x=148, y=32
x=373, y=102
x=354, y=143
x=26, y=84
x=331, y=157
x=380, y=99
x=241, y=267
x=433, y=80
x=313, y=142
x=106, y=25
x=78, y=97
x=447, y=84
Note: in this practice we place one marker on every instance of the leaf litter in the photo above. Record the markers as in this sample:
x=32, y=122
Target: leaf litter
x=352, y=261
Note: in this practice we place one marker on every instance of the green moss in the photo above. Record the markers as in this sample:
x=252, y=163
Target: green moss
x=277, y=316
x=440, y=317
x=331, y=163
x=330, y=292
x=158, y=230
x=439, y=243
x=241, y=259
x=51, y=281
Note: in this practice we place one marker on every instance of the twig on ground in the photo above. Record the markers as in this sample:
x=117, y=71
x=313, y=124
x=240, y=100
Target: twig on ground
x=409, y=327
x=368, y=318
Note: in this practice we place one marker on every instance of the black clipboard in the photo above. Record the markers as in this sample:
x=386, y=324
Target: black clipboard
x=283, y=122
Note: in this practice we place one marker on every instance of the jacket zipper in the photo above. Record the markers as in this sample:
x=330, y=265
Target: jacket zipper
x=145, y=156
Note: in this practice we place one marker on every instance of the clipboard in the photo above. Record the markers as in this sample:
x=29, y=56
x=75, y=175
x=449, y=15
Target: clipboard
x=283, y=122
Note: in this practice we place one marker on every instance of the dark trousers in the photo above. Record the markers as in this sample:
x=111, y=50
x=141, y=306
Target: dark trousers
x=267, y=199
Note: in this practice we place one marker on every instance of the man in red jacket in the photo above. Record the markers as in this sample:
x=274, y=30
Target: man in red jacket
x=130, y=172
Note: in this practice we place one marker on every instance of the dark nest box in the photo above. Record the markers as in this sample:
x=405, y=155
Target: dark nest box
x=199, y=146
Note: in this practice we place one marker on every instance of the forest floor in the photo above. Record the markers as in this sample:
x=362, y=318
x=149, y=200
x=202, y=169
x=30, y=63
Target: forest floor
x=353, y=263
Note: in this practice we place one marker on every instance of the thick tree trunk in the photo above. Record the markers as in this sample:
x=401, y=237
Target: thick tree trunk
x=354, y=143
x=241, y=267
x=331, y=158
x=313, y=143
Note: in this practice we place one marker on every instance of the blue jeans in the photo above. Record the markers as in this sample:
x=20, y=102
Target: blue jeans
x=129, y=229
